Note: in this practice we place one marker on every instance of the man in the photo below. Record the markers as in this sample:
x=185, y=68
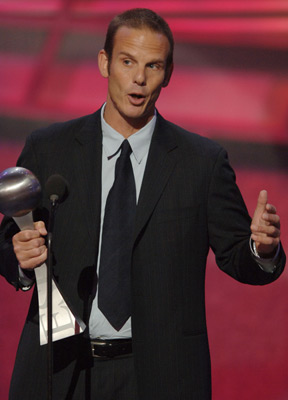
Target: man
x=187, y=201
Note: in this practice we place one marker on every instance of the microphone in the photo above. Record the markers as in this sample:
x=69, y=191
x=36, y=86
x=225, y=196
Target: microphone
x=57, y=189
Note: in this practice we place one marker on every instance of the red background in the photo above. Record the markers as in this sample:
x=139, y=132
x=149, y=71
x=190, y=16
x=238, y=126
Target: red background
x=230, y=83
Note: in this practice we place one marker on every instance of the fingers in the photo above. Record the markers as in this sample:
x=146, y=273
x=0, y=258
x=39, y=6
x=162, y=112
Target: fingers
x=266, y=239
x=29, y=246
x=265, y=226
x=268, y=224
x=270, y=210
x=267, y=218
x=265, y=230
x=32, y=258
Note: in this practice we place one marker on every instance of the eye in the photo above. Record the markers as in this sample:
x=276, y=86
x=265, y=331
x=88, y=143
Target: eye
x=153, y=66
x=156, y=66
x=127, y=62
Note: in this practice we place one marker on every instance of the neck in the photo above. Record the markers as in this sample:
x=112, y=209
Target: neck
x=124, y=125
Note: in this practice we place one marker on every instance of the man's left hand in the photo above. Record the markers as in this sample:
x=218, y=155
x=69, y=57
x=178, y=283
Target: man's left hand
x=265, y=227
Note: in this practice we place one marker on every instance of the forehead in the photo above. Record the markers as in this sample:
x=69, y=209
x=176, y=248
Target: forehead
x=141, y=42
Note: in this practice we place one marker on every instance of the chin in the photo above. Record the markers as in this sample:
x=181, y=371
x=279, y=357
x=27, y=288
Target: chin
x=137, y=114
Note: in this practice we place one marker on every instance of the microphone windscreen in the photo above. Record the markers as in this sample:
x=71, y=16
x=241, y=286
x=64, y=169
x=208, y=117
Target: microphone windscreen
x=57, y=186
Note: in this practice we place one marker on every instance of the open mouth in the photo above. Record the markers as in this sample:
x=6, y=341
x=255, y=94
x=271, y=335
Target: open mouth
x=137, y=96
x=136, y=99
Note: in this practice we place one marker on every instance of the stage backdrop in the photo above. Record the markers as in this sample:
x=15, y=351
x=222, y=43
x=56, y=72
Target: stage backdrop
x=230, y=84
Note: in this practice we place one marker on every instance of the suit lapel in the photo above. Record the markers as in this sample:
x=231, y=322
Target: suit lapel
x=160, y=164
x=88, y=156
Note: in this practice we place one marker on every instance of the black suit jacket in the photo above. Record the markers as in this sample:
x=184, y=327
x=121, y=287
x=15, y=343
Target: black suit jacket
x=188, y=203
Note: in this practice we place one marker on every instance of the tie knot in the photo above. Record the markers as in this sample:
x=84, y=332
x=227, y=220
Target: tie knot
x=125, y=148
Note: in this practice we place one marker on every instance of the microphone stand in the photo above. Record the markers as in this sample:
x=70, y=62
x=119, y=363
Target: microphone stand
x=49, y=298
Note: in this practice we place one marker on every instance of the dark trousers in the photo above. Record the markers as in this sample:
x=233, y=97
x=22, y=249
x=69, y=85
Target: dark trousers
x=92, y=378
x=106, y=380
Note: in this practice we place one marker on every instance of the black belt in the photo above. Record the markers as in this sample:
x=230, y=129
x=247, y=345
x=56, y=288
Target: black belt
x=105, y=349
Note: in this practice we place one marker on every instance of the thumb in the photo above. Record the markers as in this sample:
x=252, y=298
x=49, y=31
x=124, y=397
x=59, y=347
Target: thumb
x=261, y=205
x=41, y=228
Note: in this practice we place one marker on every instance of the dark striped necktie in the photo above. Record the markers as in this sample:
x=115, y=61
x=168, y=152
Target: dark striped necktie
x=114, y=296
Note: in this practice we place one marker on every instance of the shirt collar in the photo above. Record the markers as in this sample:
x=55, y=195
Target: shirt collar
x=139, y=141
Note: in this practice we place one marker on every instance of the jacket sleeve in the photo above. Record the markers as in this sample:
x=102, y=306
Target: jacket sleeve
x=8, y=260
x=229, y=228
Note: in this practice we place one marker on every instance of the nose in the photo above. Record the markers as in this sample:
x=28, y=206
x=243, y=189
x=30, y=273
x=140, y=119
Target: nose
x=140, y=76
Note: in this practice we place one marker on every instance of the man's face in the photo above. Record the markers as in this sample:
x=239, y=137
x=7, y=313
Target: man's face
x=136, y=74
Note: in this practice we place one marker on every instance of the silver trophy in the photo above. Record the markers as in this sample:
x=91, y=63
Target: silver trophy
x=20, y=192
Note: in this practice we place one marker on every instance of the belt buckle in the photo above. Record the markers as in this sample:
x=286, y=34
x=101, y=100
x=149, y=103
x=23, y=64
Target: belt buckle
x=98, y=343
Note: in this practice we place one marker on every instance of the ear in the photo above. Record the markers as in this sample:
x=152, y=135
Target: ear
x=103, y=63
x=168, y=74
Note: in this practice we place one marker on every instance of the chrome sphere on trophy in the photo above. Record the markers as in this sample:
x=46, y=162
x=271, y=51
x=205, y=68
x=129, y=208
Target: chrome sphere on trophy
x=20, y=192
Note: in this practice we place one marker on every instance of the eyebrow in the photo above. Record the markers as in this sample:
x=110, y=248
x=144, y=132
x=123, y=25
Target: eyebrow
x=155, y=61
x=124, y=53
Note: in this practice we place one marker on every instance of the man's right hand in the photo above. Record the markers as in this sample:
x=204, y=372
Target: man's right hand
x=29, y=246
